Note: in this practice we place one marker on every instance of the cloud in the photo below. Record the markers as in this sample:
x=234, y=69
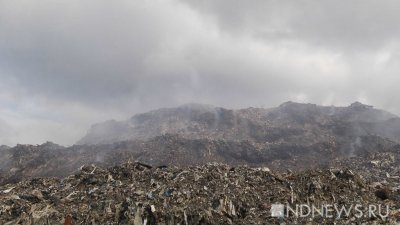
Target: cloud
x=359, y=24
x=67, y=64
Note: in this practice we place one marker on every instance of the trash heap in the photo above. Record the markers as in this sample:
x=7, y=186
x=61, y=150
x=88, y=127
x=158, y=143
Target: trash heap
x=139, y=194
x=380, y=168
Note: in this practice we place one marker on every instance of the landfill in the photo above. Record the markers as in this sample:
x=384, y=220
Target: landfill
x=295, y=164
x=136, y=193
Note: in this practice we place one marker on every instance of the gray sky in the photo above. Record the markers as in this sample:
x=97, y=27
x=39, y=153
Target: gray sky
x=66, y=64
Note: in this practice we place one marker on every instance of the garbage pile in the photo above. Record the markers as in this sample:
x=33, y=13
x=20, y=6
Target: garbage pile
x=379, y=168
x=138, y=194
x=292, y=136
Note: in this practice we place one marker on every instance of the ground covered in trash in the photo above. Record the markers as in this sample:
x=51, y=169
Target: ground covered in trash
x=136, y=193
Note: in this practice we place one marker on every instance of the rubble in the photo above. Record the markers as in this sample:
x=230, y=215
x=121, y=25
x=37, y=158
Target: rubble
x=135, y=193
x=292, y=136
x=208, y=165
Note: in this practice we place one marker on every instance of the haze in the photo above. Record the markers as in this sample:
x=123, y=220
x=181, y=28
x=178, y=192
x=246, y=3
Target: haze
x=66, y=64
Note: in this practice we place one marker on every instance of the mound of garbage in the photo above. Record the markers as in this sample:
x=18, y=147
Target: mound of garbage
x=292, y=136
x=294, y=164
x=136, y=193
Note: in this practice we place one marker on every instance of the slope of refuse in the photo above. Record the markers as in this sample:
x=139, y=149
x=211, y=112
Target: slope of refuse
x=290, y=122
x=136, y=193
x=292, y=136
x=51, y=160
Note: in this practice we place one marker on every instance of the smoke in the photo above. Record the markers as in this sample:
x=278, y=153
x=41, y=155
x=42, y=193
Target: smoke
x=356, y=144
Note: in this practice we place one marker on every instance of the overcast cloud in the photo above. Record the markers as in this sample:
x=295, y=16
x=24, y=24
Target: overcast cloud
x=66, y=64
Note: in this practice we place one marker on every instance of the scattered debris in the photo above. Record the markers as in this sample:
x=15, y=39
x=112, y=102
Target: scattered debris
x=135, y=193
